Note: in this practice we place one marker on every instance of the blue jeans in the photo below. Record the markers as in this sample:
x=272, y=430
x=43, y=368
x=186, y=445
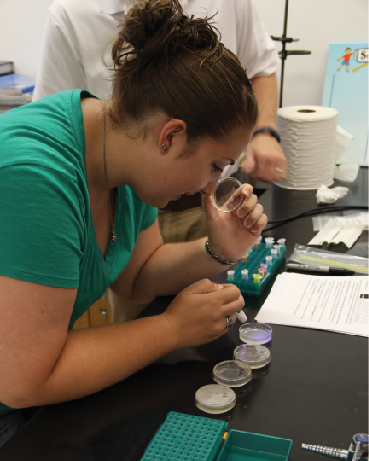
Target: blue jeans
x=10, y=423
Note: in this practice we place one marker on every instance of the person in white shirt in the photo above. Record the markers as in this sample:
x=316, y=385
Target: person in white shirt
x=76, y=49
x=75, y=54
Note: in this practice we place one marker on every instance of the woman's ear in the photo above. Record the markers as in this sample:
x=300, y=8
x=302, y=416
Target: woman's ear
x=173, y=135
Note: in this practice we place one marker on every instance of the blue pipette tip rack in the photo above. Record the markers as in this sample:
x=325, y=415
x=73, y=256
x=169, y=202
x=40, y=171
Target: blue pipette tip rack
x=186, y=438
x=245, y=282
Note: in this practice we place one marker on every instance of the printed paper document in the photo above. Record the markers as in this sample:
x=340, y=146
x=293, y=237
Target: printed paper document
x=335, y=303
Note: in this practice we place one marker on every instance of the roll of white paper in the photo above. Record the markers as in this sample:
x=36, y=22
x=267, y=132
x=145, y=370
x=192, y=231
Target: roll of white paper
x=308, y=137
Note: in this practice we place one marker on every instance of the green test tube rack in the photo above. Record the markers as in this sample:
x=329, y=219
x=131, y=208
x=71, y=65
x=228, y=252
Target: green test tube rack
x=260, y=255
x=186, y=438
x=196, y=438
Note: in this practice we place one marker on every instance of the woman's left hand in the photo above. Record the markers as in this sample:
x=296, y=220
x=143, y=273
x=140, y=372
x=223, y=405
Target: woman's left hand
x=232, y=234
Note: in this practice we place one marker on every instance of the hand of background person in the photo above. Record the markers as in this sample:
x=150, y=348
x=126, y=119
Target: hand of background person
x=231, y=235
x=197, y=315
x=264, y=159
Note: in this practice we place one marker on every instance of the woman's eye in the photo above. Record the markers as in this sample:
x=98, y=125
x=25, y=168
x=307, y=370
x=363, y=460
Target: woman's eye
x=217, y=168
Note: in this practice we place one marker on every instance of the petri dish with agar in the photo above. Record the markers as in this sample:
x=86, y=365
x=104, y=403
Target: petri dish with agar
x=227, y=195
x=231, y=373
x=255, y=333
x=215, y=398
x=254, y=356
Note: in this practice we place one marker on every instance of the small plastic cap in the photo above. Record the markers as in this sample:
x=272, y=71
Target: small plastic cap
x=277, y=248
x=268, y=260
x=244, y=273
x=241, y=316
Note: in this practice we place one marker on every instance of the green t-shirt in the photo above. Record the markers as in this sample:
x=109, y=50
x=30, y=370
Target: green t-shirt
x=47, y=234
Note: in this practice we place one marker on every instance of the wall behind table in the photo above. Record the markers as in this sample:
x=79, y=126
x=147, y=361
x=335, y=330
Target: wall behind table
x=315, y=22
x=21, y=31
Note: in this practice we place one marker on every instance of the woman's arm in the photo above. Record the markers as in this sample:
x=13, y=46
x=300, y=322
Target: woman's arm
x=42, y=363
x=156, y=269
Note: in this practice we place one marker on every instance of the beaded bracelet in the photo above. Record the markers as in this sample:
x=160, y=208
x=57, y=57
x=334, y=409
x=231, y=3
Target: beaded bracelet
x=217, y=258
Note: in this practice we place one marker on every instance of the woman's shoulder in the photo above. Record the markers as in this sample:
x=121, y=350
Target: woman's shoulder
x=46, y=133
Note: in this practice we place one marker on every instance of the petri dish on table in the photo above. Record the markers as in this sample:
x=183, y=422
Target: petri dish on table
x=253, y=355
x=231, y=373
x=255, y=333
x=215, y=398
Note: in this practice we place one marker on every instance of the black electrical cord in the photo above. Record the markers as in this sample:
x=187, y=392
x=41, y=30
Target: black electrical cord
x=313, y=212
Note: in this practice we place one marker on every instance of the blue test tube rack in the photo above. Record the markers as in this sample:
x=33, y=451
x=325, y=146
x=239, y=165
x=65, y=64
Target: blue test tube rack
x=261, y=254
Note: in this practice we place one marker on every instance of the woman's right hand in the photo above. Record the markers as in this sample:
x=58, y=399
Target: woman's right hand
x=197, y=315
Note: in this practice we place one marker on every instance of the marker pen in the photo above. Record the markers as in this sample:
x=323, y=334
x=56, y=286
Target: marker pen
x=326, y=270
x=241, y=316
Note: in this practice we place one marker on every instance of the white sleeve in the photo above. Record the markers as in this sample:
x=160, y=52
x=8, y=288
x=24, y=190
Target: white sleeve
x=255, y=48
x=60, y=65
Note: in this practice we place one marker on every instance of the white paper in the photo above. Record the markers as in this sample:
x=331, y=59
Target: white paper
x=334, y=303
x=327, y=221
x=347, y=236
x=337, y=235
x=358, y=219
x=324, y=236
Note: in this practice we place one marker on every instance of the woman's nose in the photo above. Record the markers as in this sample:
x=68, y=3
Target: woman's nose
x=210, y=187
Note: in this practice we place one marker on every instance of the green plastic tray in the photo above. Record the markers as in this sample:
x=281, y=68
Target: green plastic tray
x=255, y=258
x=196, y=438
x=246, y=446
x=186, y=438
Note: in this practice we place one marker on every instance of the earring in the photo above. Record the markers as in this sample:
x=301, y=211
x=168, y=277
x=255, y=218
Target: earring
x=164, y=147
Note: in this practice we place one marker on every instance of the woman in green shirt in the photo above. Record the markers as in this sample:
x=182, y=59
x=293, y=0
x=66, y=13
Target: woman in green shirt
x=80, y=184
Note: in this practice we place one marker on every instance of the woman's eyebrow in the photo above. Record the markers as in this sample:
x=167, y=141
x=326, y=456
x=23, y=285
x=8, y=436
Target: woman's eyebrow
x=232, y=162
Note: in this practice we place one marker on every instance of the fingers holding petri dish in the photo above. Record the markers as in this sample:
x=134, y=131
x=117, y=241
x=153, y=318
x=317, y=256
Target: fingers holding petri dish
x=228, y=195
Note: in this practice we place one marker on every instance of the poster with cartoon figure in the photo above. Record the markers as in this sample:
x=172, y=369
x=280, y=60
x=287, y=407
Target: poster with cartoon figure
x=346, y=90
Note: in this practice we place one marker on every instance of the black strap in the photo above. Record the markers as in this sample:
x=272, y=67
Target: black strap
x=270, y=130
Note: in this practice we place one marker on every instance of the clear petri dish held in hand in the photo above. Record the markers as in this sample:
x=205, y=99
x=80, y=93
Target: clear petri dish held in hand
x=227, y=195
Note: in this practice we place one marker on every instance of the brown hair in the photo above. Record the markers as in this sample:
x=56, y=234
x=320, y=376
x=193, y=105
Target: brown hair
x=167, y=62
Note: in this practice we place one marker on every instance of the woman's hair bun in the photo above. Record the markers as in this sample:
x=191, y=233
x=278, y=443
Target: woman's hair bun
x=145, y=20
x=166, y=62
x=157, y=29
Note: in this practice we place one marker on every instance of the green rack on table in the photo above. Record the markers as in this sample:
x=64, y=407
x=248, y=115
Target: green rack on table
x=197, y=438
x=257, y=256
